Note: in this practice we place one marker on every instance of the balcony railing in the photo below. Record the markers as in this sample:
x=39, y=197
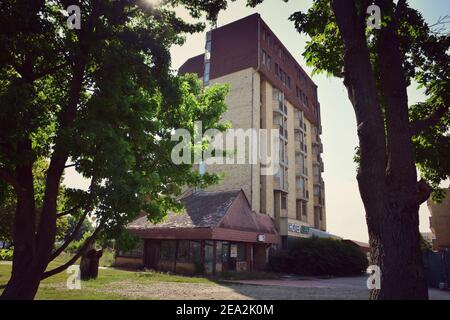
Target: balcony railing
x=302, y=194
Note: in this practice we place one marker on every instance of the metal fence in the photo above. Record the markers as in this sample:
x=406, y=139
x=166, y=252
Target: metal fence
x=437, y=268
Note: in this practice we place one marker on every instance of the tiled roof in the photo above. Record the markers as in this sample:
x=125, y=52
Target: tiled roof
x=202, y=210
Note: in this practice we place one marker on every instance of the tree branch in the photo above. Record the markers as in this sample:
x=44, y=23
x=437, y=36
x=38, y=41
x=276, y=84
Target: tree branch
x=419, y=126
x=68, y=211
x=400, y=9
x=80, y=252
x=423, y=192
x=69, y=239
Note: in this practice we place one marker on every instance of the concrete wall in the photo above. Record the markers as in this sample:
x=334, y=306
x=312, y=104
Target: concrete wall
x=243, y=113
x=250, y=105
x=440, y=222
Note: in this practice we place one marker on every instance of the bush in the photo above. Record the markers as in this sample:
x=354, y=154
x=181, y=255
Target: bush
x=320, y=257
x=6, y=254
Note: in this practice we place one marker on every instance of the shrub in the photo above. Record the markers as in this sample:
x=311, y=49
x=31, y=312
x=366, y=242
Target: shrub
x=6, y=254
x=320, y=257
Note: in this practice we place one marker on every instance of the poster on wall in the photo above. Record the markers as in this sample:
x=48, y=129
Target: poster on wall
x=233, y=251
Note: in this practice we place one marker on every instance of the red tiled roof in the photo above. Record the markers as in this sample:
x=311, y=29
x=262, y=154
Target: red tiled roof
x=210, y=215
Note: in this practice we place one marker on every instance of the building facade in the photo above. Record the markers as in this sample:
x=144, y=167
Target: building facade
x=268, y=90
x=440, y=222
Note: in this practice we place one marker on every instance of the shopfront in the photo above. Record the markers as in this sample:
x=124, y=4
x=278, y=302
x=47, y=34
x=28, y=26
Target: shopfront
x=217, y=233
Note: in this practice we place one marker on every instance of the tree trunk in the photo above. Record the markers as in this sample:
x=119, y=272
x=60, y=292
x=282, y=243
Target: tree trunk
x=24, y=281
x=386, y=174
x=395, y=248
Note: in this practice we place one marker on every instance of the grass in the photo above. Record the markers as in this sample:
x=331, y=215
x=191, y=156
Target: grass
x=106, y=286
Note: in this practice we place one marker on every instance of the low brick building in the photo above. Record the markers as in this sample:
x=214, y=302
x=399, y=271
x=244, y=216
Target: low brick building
x=216, y=232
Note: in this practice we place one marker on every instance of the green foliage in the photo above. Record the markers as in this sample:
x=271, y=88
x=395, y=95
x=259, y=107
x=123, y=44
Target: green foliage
x=75, y=245
x=7, y=207
x=320, y=257
x=424, y=244
x=6, y=254
x=325, y=50
x=86, y=228
x=130, y=101
x=8, y=202
x=425, y=61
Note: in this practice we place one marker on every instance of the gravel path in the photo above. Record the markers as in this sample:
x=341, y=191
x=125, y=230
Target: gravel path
x=311, y=289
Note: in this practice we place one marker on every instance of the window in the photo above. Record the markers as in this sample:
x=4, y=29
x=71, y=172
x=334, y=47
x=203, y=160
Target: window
x=206, y=73
x=241, y=252
x=283, y=202
x=195, y=251
x=207, y=59
x=168, y=249
x=316, y=170
x=283, y=152
x=301, y=210
x=317, y=191
x=277, y=71
x=219, y=251
x=266, y=59
x=281, y=178
x=183, y=251
x=304, y=208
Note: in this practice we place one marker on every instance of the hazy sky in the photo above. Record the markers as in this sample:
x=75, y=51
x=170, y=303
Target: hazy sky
x=344, y=209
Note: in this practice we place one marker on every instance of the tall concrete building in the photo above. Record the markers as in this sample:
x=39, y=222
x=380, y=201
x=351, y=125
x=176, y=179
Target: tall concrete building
x=440, y=222
x=269, y=90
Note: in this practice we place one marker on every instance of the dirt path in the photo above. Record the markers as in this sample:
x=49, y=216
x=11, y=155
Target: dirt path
x=227, y=291
x=336, y=289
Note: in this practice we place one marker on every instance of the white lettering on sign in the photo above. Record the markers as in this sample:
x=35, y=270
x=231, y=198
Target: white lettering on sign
x=293, y=227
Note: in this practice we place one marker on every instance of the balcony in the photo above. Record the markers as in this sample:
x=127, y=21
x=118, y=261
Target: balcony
x=316, y=179
x=302, y=194
x=300, y=147
x=319, y=201
x=279, y=107
x=278, y=184
x=318, y=143
x=301, y=170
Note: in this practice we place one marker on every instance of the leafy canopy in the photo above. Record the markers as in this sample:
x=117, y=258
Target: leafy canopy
x=128, y=101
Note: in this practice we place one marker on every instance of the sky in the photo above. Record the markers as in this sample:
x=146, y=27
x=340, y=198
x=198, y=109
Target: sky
x=344, y=209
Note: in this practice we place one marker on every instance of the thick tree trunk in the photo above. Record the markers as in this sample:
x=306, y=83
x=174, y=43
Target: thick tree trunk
x=33, y=247
x=24, y=281
x=395, y=248
x=386, y=175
